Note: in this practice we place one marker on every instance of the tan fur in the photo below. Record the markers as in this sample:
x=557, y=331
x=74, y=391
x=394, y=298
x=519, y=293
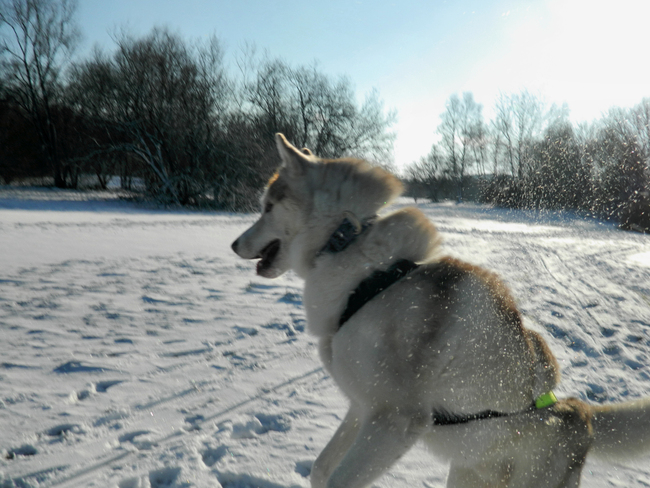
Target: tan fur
x=446, y=338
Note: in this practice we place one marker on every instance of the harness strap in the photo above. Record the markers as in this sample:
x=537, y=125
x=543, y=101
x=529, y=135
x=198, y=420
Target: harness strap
x=374, y=284
x=446, y=418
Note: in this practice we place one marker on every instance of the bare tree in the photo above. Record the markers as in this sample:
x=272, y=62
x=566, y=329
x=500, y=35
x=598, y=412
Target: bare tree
x=426, y=174
x=37, y=40
x=370, y=132
x=518, y=122
x=560, y=177
x=640, y=122
x=161, y=102
x=620, y=164
x=320, y=112
x=462, y=137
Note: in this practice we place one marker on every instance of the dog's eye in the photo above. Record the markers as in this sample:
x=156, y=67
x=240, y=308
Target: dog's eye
x=268, y=207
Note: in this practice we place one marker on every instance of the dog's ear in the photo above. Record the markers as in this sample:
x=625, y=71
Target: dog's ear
x=292, y=159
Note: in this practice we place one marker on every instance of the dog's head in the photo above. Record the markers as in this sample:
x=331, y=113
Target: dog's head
x=305, y=201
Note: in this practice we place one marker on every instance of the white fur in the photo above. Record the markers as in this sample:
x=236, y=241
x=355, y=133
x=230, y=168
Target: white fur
x=445, y=338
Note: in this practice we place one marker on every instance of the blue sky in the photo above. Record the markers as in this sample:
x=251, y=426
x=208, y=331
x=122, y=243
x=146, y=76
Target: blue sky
x=591, y=55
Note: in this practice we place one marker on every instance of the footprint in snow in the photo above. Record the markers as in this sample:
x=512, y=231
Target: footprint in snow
x=194, y=422
x=232, y=480
x=275, y=423
x=244, y=331
x=112, y=419
x=123, y=340
x=161, y=478
x=99, y=387
x=16, y=366
x=555, y=330
x=78, y=367
x=635, y=365
x=640, y=322
x=287, y=328
x=612, y=350
x=133, y=483
x=246, y=430
x=141, y=439
x=297, y=324
x=103, y=386
x=63, y=430
x=24, y=450
x=596, y=393
x=260, y=424
x=577, y=344
x=259, y=287
x=634, y=339
x=607, y=332
x=290, y=297
x=154, y=300
x=212, y=456
x=189, y=352
x=303, y=468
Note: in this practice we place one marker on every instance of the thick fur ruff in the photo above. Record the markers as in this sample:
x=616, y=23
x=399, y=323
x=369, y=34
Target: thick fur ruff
x=447, y=339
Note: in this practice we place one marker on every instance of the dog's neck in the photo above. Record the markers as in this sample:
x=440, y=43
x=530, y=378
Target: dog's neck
x=346, y=233
x=330, y=277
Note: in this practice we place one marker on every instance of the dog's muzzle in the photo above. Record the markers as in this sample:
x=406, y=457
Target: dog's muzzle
x=234, y=246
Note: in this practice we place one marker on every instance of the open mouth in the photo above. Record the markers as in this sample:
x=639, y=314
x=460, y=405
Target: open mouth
x=267, y=256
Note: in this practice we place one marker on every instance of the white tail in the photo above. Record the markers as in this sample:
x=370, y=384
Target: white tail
x=622, y=430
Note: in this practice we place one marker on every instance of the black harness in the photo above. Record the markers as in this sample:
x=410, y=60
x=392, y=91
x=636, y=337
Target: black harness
x=373, y=285
x=443, y=417
x=377, y=282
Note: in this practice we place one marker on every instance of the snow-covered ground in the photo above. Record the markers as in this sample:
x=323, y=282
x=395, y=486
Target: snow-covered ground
x=137, y=350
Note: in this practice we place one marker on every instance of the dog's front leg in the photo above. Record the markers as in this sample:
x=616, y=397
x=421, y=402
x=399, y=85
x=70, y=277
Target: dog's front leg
x=335, y=449
x=383, y=437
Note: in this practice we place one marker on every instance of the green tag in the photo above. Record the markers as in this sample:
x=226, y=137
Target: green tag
x=545, y=400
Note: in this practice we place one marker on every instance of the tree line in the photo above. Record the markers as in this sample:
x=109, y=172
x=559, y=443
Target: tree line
x=530, y=156
x=165, y=112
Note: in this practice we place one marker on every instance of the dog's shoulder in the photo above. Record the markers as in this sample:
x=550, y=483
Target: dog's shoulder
x=446, y=276
x=448, y=270
x=474, y=293
x=406, y=234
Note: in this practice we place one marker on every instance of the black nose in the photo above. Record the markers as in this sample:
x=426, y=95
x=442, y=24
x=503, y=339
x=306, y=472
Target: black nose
x=235, y=245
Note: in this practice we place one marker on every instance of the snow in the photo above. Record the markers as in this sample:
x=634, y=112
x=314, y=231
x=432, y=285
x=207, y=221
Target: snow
x=138, y=351
x=641, y=259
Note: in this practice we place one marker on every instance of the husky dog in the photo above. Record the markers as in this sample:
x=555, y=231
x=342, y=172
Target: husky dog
x=425, y=347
